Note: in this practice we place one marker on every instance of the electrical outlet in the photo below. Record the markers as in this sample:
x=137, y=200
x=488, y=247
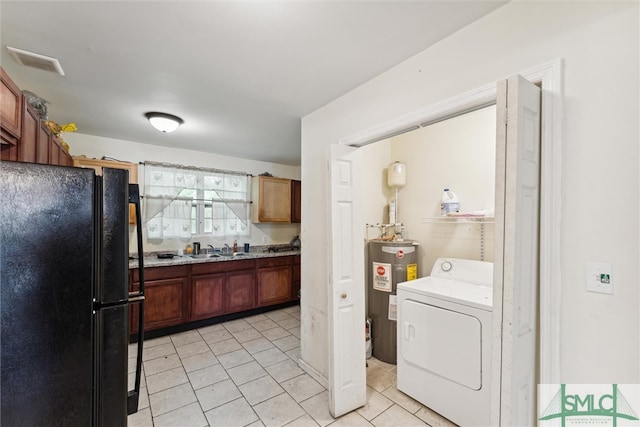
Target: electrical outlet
x=600, y=278
x=265, y=239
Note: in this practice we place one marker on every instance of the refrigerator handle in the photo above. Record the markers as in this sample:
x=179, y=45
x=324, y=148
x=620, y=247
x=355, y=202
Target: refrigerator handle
x=133, y=397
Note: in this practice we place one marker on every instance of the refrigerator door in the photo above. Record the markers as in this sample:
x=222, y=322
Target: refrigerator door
x=111, y=344
x=112, y=399
x=114, y=286
x=47, y=233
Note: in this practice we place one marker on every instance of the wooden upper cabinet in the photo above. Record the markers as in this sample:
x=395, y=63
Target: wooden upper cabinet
x=27, y=149
x=10, y=109
x=276, y=200
x=97, y=165
x=296, y=201
x=43, y=145
x=271, y=199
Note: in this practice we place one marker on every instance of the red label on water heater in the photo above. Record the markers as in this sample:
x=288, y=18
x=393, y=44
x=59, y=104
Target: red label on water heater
x=400, y=253
x=380, y=270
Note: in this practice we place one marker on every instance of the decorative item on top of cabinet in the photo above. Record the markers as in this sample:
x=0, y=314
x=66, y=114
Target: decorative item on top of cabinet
x=97, y=165
x=10, y=110
x=271, y=199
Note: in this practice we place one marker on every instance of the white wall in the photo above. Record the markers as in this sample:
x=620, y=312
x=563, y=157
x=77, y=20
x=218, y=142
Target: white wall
x=129, y=151
x=599, y=41
x=459, y=154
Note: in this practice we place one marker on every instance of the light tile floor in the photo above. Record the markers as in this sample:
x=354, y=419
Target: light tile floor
x=245, y=373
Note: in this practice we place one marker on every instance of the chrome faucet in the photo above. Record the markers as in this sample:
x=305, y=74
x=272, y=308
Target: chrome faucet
x=212, y=249
x=226, y=248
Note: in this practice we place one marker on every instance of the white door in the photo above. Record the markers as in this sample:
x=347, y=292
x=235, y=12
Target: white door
x=516, y=259
x=347, y=358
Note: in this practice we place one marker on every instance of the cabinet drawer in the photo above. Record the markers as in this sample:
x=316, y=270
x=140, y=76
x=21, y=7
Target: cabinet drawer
x=155, y=273
x=274, y=262
x=222, y=266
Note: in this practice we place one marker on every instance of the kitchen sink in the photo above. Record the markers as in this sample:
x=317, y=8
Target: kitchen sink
x=234, y=254
x=203, y=256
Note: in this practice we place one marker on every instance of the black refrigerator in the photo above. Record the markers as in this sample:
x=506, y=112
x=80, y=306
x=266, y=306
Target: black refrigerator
x=64, y=264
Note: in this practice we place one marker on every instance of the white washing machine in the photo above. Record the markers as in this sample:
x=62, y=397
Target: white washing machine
x=444, y=339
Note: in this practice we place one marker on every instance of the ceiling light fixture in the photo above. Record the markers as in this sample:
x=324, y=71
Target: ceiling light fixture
x=164, y=122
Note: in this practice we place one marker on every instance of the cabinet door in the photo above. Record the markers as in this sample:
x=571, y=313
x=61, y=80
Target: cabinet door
x=207, y=296
x=272, y=200
x=10, y=109
x=274, y=285
x=296, y=201
x=43, y=143
x=27, y=148
x=54, y=151
x=240, y=290
x=67, y=160
x=165, y=303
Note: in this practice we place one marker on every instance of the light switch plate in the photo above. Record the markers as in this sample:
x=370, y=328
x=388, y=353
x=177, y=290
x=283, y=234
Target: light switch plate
x=600, y=277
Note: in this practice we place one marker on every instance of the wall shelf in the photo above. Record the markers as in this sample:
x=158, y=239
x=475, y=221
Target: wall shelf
x=459, y=220
x=474, y=220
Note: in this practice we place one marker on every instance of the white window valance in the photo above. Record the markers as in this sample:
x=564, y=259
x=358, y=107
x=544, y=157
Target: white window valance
x=180, y=201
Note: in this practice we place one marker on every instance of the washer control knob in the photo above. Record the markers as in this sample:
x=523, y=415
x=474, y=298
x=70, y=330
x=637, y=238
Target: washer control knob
x=446, y=266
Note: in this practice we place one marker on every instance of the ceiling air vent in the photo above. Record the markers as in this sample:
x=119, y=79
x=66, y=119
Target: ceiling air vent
x=35, y=60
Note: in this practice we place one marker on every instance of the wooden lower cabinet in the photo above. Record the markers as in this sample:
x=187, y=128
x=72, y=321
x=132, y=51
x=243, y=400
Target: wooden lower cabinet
x=165, y=303
x=192, y=292
x=295, y=281
x=241, y=293
x=222, y=287
x=207, y=296
x=166, y=297
x=274, y=280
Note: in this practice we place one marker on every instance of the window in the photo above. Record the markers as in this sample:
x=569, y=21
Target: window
x=182, y=201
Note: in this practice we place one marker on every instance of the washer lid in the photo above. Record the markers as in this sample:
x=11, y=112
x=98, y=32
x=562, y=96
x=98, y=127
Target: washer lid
x=469, y=294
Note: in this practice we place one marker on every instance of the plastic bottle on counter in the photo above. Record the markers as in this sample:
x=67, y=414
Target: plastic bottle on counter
x=235, y=246
x=449, y=203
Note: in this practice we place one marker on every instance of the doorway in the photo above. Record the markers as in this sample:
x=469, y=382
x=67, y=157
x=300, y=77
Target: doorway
x=457, y=153
x=550, y=76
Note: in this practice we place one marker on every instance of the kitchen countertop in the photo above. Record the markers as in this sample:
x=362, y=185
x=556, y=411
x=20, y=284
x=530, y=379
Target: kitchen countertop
x=154, y=261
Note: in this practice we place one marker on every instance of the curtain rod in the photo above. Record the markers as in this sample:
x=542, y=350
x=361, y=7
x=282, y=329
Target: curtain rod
x=194, y=168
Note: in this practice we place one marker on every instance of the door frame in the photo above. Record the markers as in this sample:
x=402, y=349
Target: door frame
x=550, y=77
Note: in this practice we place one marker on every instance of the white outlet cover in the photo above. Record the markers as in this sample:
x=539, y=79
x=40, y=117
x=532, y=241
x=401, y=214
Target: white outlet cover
x=600, y=278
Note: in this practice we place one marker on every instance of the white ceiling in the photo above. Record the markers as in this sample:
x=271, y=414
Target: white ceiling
x=241, y=74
